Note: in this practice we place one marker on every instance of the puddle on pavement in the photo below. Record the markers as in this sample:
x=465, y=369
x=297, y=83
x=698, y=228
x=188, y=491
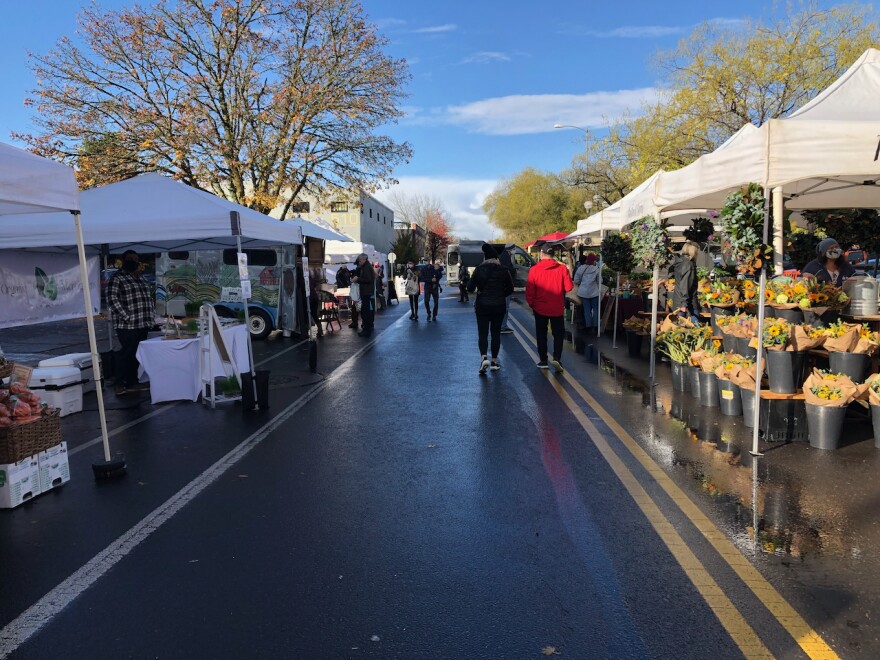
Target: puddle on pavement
x=793, y=519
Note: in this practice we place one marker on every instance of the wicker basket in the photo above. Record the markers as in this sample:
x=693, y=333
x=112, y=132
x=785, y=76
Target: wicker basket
x=7, y=369
x=22, y=440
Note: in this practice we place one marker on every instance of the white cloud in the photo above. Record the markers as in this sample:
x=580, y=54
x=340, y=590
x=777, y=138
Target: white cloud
x=524, y=114
x=650, y=31
x=436, y=29
x=484, y=57
x=462, y=198
x=385, y=23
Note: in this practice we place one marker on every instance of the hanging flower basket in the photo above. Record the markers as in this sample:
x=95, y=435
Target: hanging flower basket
x=617, y=253
x=650, y=243
x=742, y=222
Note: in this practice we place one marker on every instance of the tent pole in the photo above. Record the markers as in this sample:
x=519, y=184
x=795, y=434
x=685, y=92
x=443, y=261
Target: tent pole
x=759, y=363
x=616, y=311
x=93, y=342
x=654, y=296
x=247, y=325
x=778, y=238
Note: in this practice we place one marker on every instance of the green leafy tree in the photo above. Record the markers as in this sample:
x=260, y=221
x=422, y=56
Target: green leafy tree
x=405, y=247
x=533, y=203
x=721, y=77
x=254, y=100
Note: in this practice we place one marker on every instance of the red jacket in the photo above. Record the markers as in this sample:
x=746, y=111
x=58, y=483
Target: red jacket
x=545, y=289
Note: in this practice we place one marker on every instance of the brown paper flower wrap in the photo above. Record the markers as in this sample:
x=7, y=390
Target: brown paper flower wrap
x=697, y=357
x=730, y=362
x=710, y=363
x=842, y=337
x=825, y=389
x=744, y=326
x=675, y=321
x=869, y=341
x=805, y=338
x=873, y=389
x=744, y=376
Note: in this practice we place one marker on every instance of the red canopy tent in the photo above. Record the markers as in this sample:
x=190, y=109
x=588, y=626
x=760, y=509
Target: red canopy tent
x=549, y=238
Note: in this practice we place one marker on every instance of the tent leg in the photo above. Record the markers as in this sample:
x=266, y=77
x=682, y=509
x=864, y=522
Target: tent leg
x=250, y=346
x=108, y=467
x=616, y=311
x=599, y=306
x=778, y=237
x=655, y=295
x=759, y=363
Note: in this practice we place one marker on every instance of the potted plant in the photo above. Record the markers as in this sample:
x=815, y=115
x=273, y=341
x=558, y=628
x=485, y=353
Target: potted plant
x=823, y=304
x=650, y=243
x=720, y=296
x=709, y=381
x=192, y=307
x=729, y=395
x=636, y=328
x=787, y=297
x=700, y=231
x=725, y=325
x=617, y=253
x=827, y=396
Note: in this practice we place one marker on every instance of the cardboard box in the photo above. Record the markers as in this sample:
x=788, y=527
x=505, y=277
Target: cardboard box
x=19, y=482
x=53, y=467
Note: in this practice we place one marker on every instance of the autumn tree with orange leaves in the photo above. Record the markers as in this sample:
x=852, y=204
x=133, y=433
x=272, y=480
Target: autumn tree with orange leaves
x=254, y=100
x=438, y=234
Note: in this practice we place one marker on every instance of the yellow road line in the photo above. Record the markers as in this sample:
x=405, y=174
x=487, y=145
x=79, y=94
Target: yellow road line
x=807, y=638
x=734, y=623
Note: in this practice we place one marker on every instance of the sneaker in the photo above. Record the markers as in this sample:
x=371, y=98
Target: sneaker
x=484, y=367
x=495, y=365
x=542, y=364
x=557, y=365
x=506, y=331
x=435, y=317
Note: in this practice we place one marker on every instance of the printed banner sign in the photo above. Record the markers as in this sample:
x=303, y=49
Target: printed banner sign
x=37, y=287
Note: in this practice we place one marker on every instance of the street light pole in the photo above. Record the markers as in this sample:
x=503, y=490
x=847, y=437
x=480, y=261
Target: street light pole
x=587, y=135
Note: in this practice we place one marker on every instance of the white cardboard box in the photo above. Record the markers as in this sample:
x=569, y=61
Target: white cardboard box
x=60, y=387
x=19, y=482
x=82, y=361
x=53, y=466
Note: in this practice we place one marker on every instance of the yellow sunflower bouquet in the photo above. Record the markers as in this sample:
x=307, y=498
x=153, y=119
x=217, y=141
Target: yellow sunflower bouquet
x=823, y=388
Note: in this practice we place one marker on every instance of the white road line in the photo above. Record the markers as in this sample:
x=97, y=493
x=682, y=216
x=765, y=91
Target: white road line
x=26, y=624
x=163, y=409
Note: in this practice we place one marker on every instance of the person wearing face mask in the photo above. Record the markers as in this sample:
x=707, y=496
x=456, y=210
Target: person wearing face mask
x=830, y=266
x=131, y=304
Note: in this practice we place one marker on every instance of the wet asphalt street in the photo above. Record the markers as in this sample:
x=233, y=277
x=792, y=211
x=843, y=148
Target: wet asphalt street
x=400, y=506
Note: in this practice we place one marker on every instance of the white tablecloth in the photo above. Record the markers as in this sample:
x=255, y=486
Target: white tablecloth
x=172, y=365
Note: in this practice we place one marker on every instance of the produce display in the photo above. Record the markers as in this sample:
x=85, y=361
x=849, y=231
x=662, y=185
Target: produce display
x=18, y=405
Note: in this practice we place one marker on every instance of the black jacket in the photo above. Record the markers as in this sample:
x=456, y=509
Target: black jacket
x=366, y=280
x=493, y=284
x=685, y=294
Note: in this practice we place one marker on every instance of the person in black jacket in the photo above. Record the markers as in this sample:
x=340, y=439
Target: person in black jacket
x=684, y=297
x=365, y=278
x=493, y=283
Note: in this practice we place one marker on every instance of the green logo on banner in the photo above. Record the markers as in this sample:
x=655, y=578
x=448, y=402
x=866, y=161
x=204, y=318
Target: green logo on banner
x=46, y=286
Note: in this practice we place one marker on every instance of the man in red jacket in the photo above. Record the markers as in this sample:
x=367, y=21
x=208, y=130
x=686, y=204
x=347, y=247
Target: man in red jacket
x=545, y=293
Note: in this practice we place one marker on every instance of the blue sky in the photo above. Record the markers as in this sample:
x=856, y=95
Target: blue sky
x=489, y=79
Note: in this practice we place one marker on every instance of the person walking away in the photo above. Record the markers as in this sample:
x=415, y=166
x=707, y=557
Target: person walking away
x=354, y=294
x=463, y=280
x=365, y=278
x=830, y=266
x=545, y=293
x=380, y=284
x=413, y=288
x=506, y=259
x=431, y=275
x=588, y=278
x=131, y=303
x=493, y=283
x=684, y=296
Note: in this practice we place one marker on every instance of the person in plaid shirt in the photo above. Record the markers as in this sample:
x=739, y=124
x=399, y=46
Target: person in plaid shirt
x=131, y=303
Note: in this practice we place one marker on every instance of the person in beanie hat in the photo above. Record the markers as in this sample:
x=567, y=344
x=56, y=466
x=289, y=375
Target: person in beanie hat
x=493, y=283
x=830, y=266
x=545, y=293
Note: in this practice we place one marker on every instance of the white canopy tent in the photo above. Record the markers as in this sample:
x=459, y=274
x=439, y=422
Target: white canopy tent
x=150, y=213
x=605, y=220
x=30, y=184
x=319, y=229
x=824, y=149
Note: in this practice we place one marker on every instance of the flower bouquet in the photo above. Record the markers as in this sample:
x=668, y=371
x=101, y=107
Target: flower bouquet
x=730, y=363
x=638, y=325
x=748, y=292
x=842, y=337
x=787, y=293
x=718, y=293
x=777, y=333
x=873, y=389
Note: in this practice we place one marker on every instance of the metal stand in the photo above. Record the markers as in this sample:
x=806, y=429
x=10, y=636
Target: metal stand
x=211, y=341
x=616, y=309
